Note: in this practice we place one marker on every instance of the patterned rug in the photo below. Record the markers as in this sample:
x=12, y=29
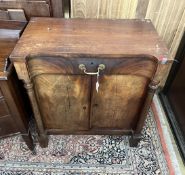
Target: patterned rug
x=86, y=155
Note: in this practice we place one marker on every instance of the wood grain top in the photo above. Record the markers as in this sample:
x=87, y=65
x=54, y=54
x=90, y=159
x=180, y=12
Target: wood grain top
x=58, y=37
x=9, y=34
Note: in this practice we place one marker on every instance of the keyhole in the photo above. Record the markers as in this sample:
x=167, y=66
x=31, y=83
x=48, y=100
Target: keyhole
x=84, y=107
x=92, y=63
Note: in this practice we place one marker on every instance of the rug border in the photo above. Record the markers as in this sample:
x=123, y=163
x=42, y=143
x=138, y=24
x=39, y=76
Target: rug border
x=158, y=127
x=161, y=135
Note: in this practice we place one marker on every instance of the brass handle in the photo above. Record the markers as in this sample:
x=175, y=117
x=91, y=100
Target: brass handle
x=100, y=67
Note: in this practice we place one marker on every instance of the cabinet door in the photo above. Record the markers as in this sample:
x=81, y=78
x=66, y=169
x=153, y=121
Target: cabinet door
x=122, y=90
x=63, y=96
x=67, y=95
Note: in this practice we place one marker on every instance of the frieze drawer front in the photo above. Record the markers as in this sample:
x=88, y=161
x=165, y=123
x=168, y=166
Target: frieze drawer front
x=91, y=76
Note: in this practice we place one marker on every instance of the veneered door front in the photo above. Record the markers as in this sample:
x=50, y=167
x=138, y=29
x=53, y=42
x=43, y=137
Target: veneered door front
x=63, y=97
x=68, y=97
x=122, y=90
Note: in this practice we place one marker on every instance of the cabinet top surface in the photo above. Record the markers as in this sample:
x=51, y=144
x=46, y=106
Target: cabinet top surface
x=60, y=37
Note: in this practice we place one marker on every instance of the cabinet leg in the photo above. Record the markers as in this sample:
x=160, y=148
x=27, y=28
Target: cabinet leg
x=137, y=133
x=134, y=140
x=42, y=136
x=151, y=91
x=29, y=141
x=43, y=140
x=136, y=137
x=22, y=72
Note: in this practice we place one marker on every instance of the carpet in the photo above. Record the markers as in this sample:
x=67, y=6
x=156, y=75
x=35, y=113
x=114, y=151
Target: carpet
x=86, y=155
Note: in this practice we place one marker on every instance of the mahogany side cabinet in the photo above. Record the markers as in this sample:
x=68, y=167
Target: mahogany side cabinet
x=14, y=113
x=87, y=76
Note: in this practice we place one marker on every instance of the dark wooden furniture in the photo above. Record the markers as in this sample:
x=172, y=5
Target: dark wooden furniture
x=30, y=8
x=13, y=115
x=59, y=60
x=173, y=97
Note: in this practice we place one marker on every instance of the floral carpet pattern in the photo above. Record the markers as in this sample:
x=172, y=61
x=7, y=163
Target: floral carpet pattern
x=86, y=155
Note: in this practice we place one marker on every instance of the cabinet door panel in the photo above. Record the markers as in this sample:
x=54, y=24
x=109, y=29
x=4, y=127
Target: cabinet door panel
x=63, y=100
x=117, y=103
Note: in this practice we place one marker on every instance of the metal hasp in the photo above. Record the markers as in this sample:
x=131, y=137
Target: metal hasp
x=100, y=67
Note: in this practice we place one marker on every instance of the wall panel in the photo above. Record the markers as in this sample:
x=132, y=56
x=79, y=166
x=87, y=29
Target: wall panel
x=110, y=9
